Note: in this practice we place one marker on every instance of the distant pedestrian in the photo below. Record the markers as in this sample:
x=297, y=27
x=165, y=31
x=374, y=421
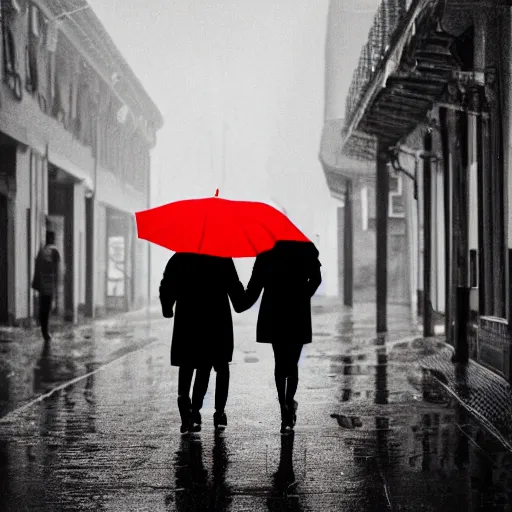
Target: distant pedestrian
x=46, y=280
x=289, y=274
x=202, y=339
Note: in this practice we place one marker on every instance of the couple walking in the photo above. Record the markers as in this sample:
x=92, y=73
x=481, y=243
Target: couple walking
x=201, y=287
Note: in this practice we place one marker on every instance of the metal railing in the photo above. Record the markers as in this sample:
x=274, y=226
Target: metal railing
x=387, y=19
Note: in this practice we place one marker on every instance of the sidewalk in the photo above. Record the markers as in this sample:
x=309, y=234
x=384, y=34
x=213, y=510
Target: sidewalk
x=97, y=342
x=372, y=433
x=483, y=393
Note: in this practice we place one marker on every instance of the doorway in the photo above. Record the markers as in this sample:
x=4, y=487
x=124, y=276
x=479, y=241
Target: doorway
x=4, y=258
x=8, y=151
x=56, y=224
x=61, y=220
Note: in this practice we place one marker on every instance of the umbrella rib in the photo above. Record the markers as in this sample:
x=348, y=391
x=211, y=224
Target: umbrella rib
x=248, y=238
x=270, y=234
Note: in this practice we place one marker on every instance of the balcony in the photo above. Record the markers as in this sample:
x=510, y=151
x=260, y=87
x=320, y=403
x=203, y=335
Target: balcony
x=403, y=69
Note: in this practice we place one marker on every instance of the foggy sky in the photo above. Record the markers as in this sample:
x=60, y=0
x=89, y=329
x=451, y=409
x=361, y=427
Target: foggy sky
x=241, y=87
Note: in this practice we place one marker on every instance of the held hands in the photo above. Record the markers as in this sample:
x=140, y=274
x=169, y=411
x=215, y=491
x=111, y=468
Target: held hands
x=167, y=312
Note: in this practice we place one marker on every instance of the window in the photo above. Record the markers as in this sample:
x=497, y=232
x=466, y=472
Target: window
x=396, y=203
x=364, y=208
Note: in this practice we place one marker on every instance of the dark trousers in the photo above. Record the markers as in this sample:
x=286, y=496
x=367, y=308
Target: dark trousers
x=286, y=371
x=201, y=385
x=45, y=305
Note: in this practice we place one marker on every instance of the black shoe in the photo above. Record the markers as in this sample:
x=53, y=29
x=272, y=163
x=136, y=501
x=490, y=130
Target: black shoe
x=286, y=428
x=196, y=421
x=220, y=420
x=293, y=412
x=185, y=413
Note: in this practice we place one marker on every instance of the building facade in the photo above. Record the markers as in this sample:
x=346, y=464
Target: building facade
x=76, y=131
x=352, y=182
x=431, y=99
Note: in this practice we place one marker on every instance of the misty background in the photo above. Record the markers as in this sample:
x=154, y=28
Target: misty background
x=241, y=87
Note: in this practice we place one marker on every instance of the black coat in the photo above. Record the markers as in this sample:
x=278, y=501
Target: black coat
x=289, y=274
x=201, y=287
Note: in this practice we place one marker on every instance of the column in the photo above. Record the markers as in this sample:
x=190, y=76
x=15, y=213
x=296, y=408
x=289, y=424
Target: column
x=348, y=248
x=90, y=210
x=428, y=327
x=382, y=203
x=341, y=248
x=507, y=120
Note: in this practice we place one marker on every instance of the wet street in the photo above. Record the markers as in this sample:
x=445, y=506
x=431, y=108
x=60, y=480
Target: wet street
x=92, y=424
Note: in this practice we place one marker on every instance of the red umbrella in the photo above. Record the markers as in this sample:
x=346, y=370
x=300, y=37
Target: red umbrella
x=217, y=227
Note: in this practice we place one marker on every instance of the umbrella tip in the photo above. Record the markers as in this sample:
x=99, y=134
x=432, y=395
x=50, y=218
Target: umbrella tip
x=217, y=193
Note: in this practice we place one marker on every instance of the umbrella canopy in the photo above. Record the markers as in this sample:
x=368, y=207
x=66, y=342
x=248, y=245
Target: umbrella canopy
x=217, y=227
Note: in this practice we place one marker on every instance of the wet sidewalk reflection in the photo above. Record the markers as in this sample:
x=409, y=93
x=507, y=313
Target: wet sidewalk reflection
x=198, y=488
x=377, y=429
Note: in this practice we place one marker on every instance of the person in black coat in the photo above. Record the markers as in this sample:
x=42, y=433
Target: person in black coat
x=46, y=281
x=202, y=339
x=289, y=274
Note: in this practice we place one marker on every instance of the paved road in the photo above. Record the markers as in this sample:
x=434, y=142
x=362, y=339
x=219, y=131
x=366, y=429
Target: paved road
x=98, y=428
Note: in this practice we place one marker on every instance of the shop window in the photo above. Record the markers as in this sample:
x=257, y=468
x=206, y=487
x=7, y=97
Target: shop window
x=116, y=271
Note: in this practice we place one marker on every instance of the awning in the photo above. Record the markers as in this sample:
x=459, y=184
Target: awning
x=13, y=129
x=74, y=171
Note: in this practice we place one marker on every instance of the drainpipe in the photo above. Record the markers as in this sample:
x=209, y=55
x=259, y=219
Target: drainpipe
x=395, y=162
x=428, y=156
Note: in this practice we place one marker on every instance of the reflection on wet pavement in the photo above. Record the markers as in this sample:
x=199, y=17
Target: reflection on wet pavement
x=198, y=488
x=29, y=368
x=377, y=430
